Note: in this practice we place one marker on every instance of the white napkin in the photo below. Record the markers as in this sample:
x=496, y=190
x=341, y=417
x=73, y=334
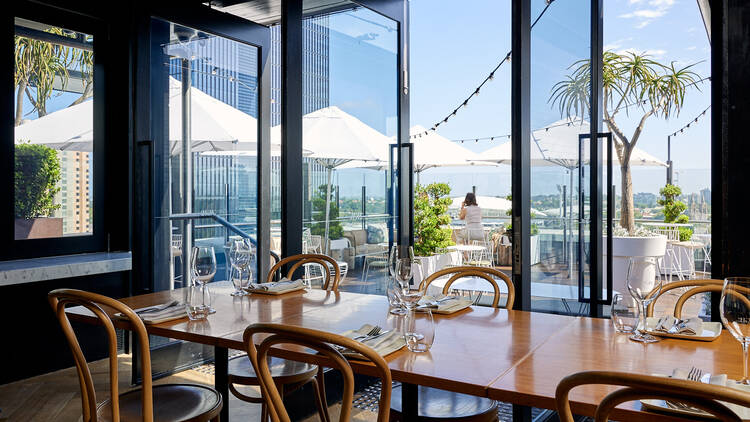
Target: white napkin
x=443, y=303
x=722, y=380
x=383, y=345
x=173, y=312
x=672, y=325
x=281, y=286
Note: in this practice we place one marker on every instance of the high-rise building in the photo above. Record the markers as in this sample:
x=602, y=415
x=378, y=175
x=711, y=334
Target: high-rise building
x=75, y=194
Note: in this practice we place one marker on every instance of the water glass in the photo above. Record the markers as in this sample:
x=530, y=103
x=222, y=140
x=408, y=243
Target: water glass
x=734, y=309
x=407, y=293
x=198, y=302
x=625, y=313
x=644, y=283
x=419, y=331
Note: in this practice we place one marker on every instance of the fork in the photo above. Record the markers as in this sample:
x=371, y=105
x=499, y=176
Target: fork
x=695, y=374
x=373, y=332
x=157, y=308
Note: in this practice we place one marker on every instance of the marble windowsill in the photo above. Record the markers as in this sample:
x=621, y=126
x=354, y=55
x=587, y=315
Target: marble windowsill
x=49, y=268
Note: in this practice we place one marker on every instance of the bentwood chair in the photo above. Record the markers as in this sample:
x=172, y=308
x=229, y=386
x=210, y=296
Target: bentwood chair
x=691, y=287
x=166, y=402
x=706, y=397
x=288, y=375
x=440, y=405
x=322, y=342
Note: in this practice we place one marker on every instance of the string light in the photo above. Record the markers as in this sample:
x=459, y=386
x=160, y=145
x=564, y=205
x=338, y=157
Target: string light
x=489, y=77
x=492, y=138
x=682, y=129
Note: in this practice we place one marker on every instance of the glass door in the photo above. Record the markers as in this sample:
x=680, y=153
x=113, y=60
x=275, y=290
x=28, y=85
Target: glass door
x=204, y=157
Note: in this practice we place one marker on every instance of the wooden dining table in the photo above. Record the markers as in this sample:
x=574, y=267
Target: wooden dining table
x=513, y=356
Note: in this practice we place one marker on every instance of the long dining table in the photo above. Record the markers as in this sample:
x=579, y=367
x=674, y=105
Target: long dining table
x=512, y=356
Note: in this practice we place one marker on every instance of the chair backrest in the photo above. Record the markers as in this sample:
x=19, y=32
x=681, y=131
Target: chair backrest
x=489, y=274
x=670, y=231
x=60, y=299
x=320, y=341
x=707, y=285
x=706, y=397
x=330, y=281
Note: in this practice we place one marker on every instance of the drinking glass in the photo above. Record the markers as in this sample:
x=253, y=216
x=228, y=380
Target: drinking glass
x=644, y=283
x=734, y=308
x=394, y=303
x=419, y=331
x=408, y=294
x=198, y=302
x=204, y=267
x=239, y=258
x=625, y=313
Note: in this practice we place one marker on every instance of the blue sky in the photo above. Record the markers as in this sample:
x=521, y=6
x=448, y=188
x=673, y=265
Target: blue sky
x=454, y=45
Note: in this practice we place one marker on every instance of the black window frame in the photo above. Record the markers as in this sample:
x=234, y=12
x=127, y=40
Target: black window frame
x=99, y=240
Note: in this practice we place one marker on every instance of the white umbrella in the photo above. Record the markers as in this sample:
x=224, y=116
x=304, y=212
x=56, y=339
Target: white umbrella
x=335, y=138
x=558, y=146
x=215, y=126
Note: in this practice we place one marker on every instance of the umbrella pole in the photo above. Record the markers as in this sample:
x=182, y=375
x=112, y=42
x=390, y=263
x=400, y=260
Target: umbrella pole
x=328, y=206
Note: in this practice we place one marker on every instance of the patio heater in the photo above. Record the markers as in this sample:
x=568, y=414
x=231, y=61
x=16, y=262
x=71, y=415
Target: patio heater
x=669, y=159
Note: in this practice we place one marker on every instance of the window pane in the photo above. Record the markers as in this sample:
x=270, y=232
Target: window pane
x=54, y=131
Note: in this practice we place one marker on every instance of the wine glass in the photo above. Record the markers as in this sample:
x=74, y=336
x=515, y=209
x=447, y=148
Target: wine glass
x=394, y=302
x=644, y=283
x=239, y=258
x=734, y=308
x=204, y=268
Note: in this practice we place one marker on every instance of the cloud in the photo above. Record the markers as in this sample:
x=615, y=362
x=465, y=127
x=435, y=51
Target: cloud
x=692, y=47
x=617, y=44
x=653, y=53
x=645, y=15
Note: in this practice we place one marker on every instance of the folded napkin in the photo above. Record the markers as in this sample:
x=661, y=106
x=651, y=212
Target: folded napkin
x=280, y=286
x=672, y=325
x=443, y=303
x=722, y=380
x=383, y=345
x=168, y=313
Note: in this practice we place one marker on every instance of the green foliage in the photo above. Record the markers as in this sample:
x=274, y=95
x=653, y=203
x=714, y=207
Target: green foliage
x=431, y=218
x=534, y=228
x=673, y=210
x=672, y=206
x=335, y=230
x=37, y=173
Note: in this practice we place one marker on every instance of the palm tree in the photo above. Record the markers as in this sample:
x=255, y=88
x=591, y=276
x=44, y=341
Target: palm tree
x=629, y=81
x=39, y=63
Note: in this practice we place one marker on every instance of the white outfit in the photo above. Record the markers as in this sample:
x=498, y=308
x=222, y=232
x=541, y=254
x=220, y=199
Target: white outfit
x=474, y=229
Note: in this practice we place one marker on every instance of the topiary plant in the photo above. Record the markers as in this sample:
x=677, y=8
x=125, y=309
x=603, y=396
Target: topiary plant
x=674, y=208
x=430, y=218
x=37, y=172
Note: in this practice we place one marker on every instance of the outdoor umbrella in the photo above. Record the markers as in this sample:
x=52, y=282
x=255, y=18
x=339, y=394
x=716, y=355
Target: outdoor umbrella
x=335, y=138
x=215, y=126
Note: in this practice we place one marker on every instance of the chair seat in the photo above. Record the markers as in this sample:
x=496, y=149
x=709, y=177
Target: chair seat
x=283, y=371
x=441, y=405
x=172, y=403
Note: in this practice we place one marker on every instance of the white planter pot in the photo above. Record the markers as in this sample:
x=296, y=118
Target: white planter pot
x=431, y=264
x=625, y=247
x=535, y=249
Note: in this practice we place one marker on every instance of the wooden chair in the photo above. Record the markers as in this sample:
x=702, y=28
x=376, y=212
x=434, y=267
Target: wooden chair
x=288, y=375
x=441, y=405
x=706, y=397
x=696, y=287
x=167, y=402
x=320, y=341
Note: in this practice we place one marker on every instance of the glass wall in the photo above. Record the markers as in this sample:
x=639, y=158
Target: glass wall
x=560, y=46
x=54, y=133
x=350, y=124
x=206, y=132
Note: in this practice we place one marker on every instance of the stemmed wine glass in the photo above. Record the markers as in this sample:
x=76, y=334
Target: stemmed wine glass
x=239, y=257
x=204, y=268
x=735, y=314
x=644, y=283
x=393, y=284
x=409, y=294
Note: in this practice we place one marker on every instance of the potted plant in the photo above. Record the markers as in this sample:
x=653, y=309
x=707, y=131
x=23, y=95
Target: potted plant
x=37, y=173
x=431, y=226
x=625, y=244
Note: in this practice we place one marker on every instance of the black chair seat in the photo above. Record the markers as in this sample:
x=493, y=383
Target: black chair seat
x=172, y=403
x=283, y=371
x=441, y=405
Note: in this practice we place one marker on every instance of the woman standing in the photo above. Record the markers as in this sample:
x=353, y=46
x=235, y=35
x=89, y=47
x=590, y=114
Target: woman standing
x=472, y=214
